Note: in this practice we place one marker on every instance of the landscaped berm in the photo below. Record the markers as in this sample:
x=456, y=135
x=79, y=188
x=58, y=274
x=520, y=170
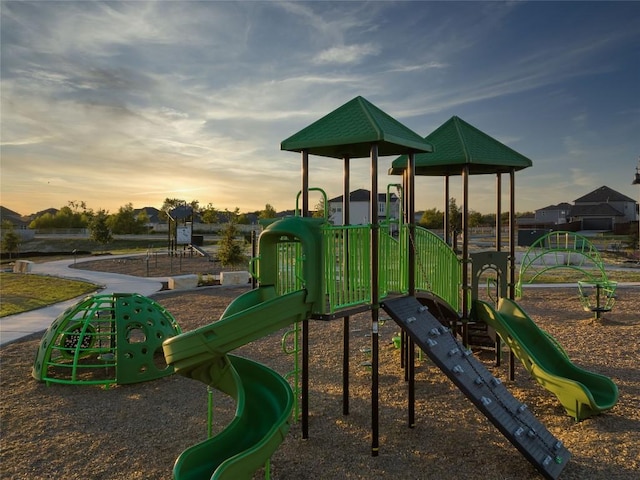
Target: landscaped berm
x=137, y=431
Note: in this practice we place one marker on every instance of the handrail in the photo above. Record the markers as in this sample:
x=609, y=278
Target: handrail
x=326, y=204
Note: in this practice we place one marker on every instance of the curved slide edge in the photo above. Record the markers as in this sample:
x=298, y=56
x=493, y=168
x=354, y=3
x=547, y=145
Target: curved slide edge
x=264, y=405
x=582, y=393
x=264, y=398
x=250, y=316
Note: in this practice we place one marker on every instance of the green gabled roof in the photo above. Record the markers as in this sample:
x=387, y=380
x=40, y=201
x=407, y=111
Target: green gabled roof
x=457, y=143
x=351, y=129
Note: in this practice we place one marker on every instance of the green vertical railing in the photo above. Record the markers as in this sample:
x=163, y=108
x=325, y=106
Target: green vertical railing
x=438, y=269
x=347, y=265
x=290, y=261
x=393, y=274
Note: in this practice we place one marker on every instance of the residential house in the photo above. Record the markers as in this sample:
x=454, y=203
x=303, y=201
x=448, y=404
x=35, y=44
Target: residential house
x=603, y=209
x=152, y=213
x=20, y=224
x=554, y=214
x=359, y=207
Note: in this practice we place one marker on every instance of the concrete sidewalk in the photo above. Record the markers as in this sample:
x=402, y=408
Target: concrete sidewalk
x=20, y=325
x=17, y=326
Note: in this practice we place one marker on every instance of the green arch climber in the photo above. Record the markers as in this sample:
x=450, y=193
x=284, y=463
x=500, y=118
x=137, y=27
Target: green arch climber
x=561, y=249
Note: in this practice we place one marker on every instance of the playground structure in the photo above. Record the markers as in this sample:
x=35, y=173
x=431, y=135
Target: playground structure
x=105, y=340
x=307, y=269
x=180, y=233
x=569, y=250
x=582, y=393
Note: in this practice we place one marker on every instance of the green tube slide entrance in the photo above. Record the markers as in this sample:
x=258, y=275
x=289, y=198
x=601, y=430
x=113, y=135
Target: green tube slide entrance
x=582, y=393
x=264, y=398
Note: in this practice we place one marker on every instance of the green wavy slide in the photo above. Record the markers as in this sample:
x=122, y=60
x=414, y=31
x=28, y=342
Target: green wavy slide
x=264, y=399
x=582, y=393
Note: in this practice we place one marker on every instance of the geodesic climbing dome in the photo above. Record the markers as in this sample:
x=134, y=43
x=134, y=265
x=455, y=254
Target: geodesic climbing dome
x=106, y=339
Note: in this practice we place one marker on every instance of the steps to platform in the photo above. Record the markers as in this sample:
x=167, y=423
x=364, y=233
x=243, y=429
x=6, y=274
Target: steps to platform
x=514, y=420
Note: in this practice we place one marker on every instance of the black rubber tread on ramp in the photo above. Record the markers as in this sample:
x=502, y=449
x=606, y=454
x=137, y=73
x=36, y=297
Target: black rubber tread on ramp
x=514, y=420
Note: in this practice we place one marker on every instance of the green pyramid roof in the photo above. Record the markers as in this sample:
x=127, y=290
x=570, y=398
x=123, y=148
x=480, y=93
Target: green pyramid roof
x=457, y=143
x=351, y=129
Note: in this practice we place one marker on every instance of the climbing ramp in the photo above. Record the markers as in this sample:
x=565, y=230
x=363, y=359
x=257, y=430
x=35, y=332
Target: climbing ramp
x=514, y=420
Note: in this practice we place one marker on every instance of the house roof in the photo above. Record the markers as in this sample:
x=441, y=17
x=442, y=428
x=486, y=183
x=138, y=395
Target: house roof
x=602, y=195
x=351, y=129
x=599, y=210
x=14, y=217
x=560, y=206
x=457, y=143
x=362, y=195
x=152, y=213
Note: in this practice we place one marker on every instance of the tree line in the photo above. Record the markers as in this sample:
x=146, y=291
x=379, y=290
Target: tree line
x=433, y=218
x=129, y=221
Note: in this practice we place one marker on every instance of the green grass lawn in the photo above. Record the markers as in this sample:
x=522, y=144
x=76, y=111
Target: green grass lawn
x=23, y=292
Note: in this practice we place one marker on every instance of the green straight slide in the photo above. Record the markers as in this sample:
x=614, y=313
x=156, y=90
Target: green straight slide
x=582, y=393
x=264, y=399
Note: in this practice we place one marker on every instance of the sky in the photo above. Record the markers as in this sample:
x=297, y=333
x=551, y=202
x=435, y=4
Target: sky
x=111, y=103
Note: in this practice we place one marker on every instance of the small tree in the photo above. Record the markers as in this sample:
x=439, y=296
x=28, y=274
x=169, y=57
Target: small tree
x=10, y=239
x=99, y=229
x=209, y=214
x=432, y=218
x=230, y=251
x=455, y=217
x=319, y=209
x=268, y=212
x=126, y=221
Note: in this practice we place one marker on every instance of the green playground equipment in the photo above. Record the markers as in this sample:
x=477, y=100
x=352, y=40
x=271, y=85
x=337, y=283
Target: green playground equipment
x=597, y=296
x=104, y=340
x=570, y=250
x=309, y=269
x=582, y=393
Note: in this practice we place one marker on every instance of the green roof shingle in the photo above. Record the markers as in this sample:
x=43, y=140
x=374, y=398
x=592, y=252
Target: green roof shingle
x=457, y=143
x=351, y=129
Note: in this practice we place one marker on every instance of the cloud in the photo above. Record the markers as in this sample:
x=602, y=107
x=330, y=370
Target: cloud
x=181, y=95
x=418, y=67
x=346, y=54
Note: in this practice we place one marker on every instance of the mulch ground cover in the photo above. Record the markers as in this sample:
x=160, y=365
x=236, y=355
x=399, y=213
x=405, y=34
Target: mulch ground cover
x=137, y=431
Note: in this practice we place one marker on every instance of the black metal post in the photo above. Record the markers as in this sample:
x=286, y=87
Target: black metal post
x=374, y=301
x=512, y=255
x=498, y=343
x=411, y=271
x=305, y=322
x=345, y=221
x=447, y=231
x=465, y=255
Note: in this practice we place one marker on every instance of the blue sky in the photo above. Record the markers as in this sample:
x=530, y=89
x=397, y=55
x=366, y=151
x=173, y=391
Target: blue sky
x=133, y=102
